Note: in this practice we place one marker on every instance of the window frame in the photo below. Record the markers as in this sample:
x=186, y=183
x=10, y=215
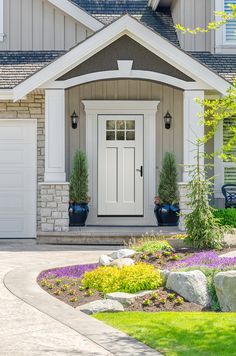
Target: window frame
x=1, y=21
x=219, y=164
x=221, y=44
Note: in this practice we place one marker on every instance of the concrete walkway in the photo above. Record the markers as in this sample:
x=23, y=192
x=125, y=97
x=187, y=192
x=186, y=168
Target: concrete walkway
x=34, y=323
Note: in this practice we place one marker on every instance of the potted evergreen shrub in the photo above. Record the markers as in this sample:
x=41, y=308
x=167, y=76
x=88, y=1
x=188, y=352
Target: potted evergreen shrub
x=166, y=204
x=78, y=208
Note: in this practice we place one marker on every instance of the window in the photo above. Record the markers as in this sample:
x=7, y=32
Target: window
x=120, y=130
x=1, y=21
x=225, y=171
x=225, y=36
x=230, y=28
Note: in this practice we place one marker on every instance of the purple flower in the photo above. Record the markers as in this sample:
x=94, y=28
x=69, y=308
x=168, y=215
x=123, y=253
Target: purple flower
x=208, y=259
x=70, y=271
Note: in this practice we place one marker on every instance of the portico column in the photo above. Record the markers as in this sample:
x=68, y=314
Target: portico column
x=192, y=130
x=55, y=136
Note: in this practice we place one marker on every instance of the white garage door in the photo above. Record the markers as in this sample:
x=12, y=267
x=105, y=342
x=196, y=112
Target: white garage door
x=18, y=151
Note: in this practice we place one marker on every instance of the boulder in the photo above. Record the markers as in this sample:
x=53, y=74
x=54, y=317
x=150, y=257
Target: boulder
x=225, y=285
x=99, y=306
x=164, y=275
x=127, y=299
x=123, y=253
x=105, y=260
x=121, y=262
x=191, y=285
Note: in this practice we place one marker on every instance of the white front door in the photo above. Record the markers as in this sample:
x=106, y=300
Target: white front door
x=120, y=165
x=18, y=167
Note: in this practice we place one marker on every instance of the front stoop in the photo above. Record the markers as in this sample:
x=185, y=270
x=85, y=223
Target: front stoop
x=116, y=236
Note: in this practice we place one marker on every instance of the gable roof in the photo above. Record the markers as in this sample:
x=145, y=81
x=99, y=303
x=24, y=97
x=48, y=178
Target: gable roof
x=107, y=11
x=146, y=37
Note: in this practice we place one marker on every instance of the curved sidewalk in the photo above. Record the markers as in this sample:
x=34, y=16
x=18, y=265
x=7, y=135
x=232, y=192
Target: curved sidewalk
x=35, y=323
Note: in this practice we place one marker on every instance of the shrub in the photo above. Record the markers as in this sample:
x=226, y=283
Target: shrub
x=226, y=217
x=202, y=227
x=151, y=246
x=168, y=187
x=128, y=279
x=79, y=178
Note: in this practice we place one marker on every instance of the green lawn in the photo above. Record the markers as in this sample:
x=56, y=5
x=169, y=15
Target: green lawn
x=190, y=334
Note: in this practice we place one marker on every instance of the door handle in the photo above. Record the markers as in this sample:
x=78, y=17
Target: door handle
x=140, y=170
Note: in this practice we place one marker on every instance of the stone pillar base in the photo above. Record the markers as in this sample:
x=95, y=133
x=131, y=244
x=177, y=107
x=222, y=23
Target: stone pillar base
x=183, y=204
x=54, y=207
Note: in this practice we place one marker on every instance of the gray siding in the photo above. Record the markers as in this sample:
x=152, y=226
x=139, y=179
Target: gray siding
x=170, y=99
x=194, y=13
x=37, y=25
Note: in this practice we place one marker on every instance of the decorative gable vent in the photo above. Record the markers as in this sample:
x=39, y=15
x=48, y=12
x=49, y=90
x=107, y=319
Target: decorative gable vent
x=230, y=30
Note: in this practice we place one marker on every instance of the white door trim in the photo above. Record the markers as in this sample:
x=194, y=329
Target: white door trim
x=148, y=109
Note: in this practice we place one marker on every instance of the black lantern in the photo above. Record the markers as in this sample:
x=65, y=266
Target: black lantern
x=74, y=120
x=167, y=119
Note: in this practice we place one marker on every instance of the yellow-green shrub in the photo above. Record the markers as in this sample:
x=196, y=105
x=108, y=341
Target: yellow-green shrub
x=129, y=279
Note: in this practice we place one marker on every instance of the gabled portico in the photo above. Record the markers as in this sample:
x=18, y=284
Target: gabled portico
x=139, y=93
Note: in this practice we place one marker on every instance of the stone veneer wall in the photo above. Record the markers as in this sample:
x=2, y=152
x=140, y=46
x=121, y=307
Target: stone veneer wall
x=183, y=204
x=54, y=207
x=33, y=107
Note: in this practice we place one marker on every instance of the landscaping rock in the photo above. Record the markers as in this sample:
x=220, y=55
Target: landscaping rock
x=99, y=306
x=123, y=253
x=190, y=285
x=105, y=260
x=164, y=275
x=127, y=299
x=122, y=262
x=225, y=285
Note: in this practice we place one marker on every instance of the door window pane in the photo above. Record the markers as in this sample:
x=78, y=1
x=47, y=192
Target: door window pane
x=130, y=125
x=130, y=135
x=110, y=135
x=111, y=125
x=120, y=125
x=120, y=135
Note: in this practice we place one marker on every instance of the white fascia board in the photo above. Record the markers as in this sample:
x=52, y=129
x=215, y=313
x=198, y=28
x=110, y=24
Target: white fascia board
x=126, y=25
x=153, y=4
x=119, y=74
x=78, y=14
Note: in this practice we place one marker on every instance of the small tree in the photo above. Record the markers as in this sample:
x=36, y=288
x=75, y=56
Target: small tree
x=79, y=178
x=168, y=187
x=202, y=227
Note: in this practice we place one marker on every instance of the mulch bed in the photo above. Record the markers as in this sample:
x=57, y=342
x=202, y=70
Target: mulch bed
x=162, y=303
x=68, y=290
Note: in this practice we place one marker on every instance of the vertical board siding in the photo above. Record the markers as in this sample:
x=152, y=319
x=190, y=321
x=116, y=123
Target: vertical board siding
x=37, y=25
x=194, y=13
x=170, y=99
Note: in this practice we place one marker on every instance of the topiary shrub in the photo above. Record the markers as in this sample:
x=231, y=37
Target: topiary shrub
x=202, y=227
x=226, y=217
x=168, y=187
x=79, y=178
x=128, y=279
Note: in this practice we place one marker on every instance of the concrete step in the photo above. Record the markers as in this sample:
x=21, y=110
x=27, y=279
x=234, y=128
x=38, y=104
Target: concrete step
x=103, y=235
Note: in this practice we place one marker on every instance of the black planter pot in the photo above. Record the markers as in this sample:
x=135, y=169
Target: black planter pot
x=167, y=214
x=78, y=213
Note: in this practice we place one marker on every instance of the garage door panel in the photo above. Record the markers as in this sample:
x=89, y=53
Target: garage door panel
x=17, y=226
x=18, y=180
x=16, y=202
x=19, y=155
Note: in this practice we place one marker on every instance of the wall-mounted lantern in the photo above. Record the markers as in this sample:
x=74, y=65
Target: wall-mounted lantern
x=167, y=120
x=74, y=120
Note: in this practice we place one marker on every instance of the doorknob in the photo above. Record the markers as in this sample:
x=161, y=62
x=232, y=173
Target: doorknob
x=140, y=170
